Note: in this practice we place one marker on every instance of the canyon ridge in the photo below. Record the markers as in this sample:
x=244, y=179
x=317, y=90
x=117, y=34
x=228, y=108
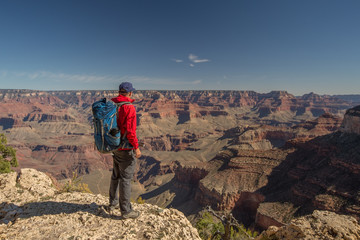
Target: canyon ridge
x=266, y=157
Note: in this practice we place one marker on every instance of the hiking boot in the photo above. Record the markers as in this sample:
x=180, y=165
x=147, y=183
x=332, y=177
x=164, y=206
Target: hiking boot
x=111, y=207
x=132, y=214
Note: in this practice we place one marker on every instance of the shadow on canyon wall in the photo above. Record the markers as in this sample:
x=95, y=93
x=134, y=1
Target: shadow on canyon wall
x=179, y=197
x=320, y=174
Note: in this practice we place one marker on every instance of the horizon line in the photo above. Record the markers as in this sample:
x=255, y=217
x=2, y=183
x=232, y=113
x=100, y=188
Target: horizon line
x=174, y=90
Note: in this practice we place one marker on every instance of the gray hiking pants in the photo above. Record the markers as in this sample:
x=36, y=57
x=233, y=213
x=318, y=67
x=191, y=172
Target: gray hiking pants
x=123, y=172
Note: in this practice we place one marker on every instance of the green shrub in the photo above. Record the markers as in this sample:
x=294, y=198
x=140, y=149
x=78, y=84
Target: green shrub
x=7, y=156
x=208, y=228
x=75, y=185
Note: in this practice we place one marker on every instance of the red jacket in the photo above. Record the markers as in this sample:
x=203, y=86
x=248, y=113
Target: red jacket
x=127, y=120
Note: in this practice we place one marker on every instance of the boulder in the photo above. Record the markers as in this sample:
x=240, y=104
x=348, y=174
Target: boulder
x=318, y=225
x=38, y=183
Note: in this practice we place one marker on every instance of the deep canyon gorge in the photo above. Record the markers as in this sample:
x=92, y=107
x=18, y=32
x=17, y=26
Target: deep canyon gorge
x=267, y=157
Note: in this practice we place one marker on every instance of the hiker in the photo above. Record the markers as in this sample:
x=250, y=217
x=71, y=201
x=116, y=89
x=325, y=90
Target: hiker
x=124, y=158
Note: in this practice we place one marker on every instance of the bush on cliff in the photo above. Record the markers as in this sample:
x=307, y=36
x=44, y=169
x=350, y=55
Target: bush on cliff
x=75, y=185
x=209, y=229
x=7, y=156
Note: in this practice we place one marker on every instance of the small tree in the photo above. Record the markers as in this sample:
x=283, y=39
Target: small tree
x=75, y=185
x=207, y=227
x=7, y=156
x=227, y=227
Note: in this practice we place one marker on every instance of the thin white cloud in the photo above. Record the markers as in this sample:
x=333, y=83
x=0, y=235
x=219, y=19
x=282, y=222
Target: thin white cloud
x=196, y=82
x=201, y=60
x=191, y=65
x=177, y=60
x=192, y=57
x=195, y=59
x=60, y=76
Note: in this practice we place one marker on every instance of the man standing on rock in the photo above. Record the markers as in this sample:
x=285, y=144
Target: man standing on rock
x=124, y=158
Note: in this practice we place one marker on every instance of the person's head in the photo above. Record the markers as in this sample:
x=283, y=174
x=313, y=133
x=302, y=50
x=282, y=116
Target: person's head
x=126, y=89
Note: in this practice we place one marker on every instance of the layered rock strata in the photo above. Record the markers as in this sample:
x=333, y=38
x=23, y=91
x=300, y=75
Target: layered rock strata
x=63, y=160
x=259, y=135
x=322, y=173
x=230, y=180
x=168, y=121
x=270, y=187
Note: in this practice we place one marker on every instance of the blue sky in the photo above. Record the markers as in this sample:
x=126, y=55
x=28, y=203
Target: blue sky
x=300, y=46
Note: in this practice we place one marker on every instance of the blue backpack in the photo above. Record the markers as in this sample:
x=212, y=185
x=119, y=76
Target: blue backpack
x=106, y=132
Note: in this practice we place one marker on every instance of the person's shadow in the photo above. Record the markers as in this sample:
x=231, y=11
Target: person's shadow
x=11, y=211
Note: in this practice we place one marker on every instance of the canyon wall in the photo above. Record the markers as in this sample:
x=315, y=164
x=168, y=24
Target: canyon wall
x=247, y=152
x=322, y=173
x=39, y=123
x=264, y=187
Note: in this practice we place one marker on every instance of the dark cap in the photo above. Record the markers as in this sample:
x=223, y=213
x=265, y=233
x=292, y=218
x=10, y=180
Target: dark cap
x=128, y=87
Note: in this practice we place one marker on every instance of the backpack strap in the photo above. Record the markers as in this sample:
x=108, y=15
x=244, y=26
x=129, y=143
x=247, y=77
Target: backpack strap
x=118, y=105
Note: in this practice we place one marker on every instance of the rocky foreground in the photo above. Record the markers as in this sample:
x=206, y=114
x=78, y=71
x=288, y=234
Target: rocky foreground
x=319, y=225
x=31, y=209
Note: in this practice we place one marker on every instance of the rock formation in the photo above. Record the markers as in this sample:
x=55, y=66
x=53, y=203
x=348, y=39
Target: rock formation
x=351, y=123
x=230, y=180
x=243, y=151
x=322, y=173
x=318, y=225
x=269, y=187
x=41, y=123
x=32, y=209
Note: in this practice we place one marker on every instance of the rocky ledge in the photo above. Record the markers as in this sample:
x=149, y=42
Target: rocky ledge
x=318, y=225
x=31, y=208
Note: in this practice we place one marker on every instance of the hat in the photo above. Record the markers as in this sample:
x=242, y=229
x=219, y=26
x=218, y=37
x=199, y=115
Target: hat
x=128, y=87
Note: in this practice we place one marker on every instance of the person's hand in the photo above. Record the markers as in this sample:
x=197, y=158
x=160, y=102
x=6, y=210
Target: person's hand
x=137, y=153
